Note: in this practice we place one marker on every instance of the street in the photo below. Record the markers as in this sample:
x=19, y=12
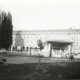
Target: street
x=21, y=58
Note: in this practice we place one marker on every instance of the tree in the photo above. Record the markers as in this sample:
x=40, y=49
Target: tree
x=0, y=28
x=9, y=16
x=0, y=17
x=40, y=44
x=6, y=31
x=18, y=40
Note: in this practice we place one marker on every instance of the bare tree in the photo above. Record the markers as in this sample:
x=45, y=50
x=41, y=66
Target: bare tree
x=40, y=44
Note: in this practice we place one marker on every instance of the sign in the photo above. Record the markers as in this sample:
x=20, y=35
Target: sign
x=18, y=48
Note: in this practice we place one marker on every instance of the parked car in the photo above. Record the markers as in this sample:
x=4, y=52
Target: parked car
x=77, y=56
x=3, y=50
x=2, y=60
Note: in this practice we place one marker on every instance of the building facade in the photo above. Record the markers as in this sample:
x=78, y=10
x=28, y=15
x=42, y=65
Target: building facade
x=57, y=43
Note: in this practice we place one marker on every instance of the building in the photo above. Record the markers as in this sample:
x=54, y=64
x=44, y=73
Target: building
x=57, y=43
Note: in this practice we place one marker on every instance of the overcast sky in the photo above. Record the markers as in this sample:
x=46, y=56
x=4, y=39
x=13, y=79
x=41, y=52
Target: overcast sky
x=43, y=14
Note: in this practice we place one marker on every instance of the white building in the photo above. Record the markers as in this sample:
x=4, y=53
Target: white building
x=58, y=43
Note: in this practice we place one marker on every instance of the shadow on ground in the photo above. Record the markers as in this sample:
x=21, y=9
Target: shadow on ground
x=47, y=71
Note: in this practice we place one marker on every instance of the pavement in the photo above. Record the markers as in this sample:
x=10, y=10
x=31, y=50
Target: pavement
x=21, y=58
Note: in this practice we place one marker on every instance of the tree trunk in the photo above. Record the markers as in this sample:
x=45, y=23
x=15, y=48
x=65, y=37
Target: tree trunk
x=39, y=62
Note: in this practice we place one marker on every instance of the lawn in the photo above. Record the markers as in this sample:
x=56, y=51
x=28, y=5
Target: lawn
x=47, y=71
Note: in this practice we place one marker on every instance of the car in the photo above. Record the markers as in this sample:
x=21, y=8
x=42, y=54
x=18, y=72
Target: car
x=2, y=60
x=77, y=56
x=3, y=50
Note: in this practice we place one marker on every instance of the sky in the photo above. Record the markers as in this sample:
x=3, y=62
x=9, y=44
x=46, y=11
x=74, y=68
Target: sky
x=43, y=14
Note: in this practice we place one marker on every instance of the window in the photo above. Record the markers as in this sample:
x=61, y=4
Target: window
x=36, y=48
x=26, y=48
x=62, y=50
x=23, y=48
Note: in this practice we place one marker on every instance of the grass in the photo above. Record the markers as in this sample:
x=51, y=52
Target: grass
x=47, y=71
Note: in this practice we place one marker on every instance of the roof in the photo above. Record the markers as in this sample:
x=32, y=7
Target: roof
x=60, y=41
x=47, y=31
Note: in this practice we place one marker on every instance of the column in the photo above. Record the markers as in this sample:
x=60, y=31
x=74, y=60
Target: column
x=48, y=49
x=25, y=48
x=70, y=49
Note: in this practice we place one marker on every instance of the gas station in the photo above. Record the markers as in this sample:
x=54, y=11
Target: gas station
x=58, y=48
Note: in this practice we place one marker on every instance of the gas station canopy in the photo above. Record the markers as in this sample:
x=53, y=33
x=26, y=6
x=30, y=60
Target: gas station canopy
x=60, y=41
